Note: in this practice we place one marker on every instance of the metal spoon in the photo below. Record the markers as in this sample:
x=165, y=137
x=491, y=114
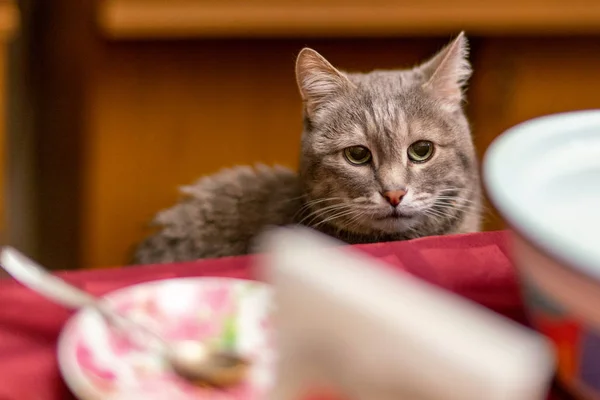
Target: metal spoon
x=190, y=359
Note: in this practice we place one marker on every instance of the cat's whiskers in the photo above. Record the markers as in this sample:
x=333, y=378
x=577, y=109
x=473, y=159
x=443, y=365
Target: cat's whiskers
x=478, y=204
x=455, y=202
x=355, y=220
x=446, y=212
x=453, y=193
x=359, y=204
x=456, y=199
x=324, y=211
x=336, y=216
x=433, y=213
x=464, y=193
x=457, y=207
x=455, y=189
x=311, y=203
x=355, y=213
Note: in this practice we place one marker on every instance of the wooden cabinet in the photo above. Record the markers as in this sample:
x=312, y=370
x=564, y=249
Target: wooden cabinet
x=136, y=19
x=138, y=97
x=8, y=26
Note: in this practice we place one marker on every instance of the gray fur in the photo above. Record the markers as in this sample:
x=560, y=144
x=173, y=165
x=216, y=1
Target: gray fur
x=385, y=111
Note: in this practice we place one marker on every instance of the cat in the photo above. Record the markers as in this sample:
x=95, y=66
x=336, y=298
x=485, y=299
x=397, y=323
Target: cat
x=385, y=156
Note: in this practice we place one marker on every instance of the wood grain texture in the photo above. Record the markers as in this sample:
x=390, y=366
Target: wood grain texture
x=47, y=113
x=3, y=138
x=210, y=18
x=9, y=23
x=9, y=19
x=523, y=78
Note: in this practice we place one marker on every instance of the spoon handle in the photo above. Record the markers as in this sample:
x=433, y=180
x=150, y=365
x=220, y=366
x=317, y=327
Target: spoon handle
x=35, y=277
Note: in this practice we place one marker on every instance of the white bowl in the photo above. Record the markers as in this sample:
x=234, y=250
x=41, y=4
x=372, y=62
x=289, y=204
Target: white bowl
x=543, y=176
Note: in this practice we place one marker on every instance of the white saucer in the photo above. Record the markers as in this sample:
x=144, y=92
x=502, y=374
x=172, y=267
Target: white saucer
x=97, y=363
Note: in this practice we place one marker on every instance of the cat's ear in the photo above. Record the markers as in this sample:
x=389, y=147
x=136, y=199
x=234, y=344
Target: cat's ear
x=447, y=73
x=318, y=80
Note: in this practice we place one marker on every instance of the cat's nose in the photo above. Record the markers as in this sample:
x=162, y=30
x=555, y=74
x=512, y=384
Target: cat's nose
x=394, y=197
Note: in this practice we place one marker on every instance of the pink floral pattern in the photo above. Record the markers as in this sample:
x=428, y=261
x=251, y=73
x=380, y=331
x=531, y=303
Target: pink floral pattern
x=102, y=377
x=114, y=366
x=121, y=344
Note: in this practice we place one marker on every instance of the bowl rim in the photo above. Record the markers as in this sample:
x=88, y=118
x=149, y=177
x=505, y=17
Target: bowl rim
x=573, y=256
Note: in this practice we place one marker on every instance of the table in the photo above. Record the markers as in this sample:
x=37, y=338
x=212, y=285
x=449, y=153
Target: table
x=476, y=266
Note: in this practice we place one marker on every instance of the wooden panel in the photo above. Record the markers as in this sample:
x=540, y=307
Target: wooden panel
x=9, y=19
x=162, y=114
x=9, y=22
x=46, y=130
x=195, y=18
x=3, y=158
x=523, y=78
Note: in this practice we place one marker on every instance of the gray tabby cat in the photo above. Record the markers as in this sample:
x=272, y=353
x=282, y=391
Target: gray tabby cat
x=386, y=155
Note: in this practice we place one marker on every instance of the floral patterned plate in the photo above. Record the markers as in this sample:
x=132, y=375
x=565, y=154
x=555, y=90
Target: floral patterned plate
x=98, y=362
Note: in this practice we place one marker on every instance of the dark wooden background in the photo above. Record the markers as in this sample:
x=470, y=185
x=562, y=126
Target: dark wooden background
x=117, y=102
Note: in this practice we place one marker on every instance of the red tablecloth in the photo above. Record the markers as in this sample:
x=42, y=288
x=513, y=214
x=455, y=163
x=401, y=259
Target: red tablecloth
x=474, y=265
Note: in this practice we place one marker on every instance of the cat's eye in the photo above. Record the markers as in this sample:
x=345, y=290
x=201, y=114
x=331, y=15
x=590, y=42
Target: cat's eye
x=420, y=151
x=357, y=155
